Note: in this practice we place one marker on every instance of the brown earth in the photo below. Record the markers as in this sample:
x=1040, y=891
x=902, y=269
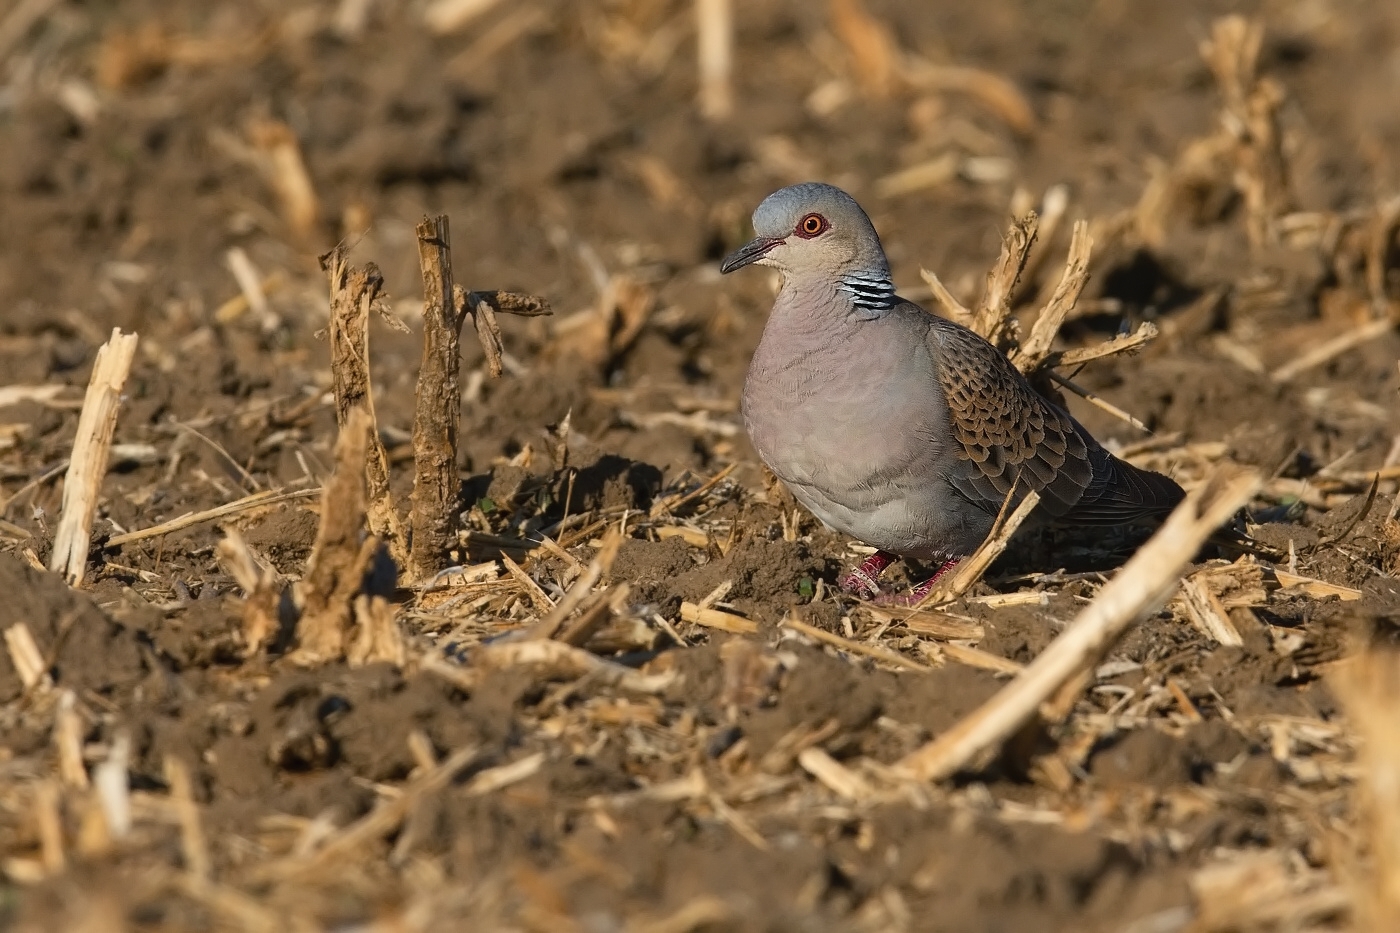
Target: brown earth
x=563, y=141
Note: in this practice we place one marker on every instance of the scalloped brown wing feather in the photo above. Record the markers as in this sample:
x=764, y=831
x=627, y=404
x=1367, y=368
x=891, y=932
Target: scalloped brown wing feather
x=1004, y=429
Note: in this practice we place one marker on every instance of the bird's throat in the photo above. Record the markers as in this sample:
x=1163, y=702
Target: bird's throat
x=811, y=328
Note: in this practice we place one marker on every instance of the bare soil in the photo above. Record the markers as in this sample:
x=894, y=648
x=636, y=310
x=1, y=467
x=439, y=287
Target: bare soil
x=568, y=152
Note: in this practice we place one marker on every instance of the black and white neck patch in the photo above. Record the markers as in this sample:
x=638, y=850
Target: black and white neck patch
x=870, y=290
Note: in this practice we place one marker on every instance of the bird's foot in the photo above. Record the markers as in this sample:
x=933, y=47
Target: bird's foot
x=864, y=581
x=917, y=594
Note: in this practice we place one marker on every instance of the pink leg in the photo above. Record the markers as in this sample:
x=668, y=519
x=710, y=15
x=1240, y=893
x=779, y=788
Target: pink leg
x=864, y=581
x=916, y=595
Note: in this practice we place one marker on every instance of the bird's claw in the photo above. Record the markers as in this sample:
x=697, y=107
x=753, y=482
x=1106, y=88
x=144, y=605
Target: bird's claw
x=864, y=581
x=909, y=599
x=860, y=584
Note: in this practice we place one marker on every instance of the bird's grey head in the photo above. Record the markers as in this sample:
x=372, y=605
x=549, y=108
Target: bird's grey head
x=818, y=231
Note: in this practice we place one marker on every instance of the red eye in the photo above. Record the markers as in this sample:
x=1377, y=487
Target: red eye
x=813, y=225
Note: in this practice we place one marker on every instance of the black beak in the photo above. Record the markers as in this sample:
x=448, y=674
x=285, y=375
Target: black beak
x=750, y=252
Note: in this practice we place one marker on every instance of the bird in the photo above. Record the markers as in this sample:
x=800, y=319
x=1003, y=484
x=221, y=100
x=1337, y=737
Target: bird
x=898, y=427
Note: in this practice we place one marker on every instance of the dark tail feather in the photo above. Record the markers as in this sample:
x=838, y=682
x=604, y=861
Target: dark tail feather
x=1121, y=493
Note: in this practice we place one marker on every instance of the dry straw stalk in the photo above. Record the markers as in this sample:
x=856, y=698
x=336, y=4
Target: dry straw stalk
x=354, y=291
x=256, y=501
x=992, y=319
x=1369, y=688
x=339, y=558
x=439, y=408
x=714, y=21
x=969, y=571
x=88, y=464
x=1139, y=589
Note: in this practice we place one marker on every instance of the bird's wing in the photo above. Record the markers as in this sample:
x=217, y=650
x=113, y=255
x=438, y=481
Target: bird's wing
x=1006, y=434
